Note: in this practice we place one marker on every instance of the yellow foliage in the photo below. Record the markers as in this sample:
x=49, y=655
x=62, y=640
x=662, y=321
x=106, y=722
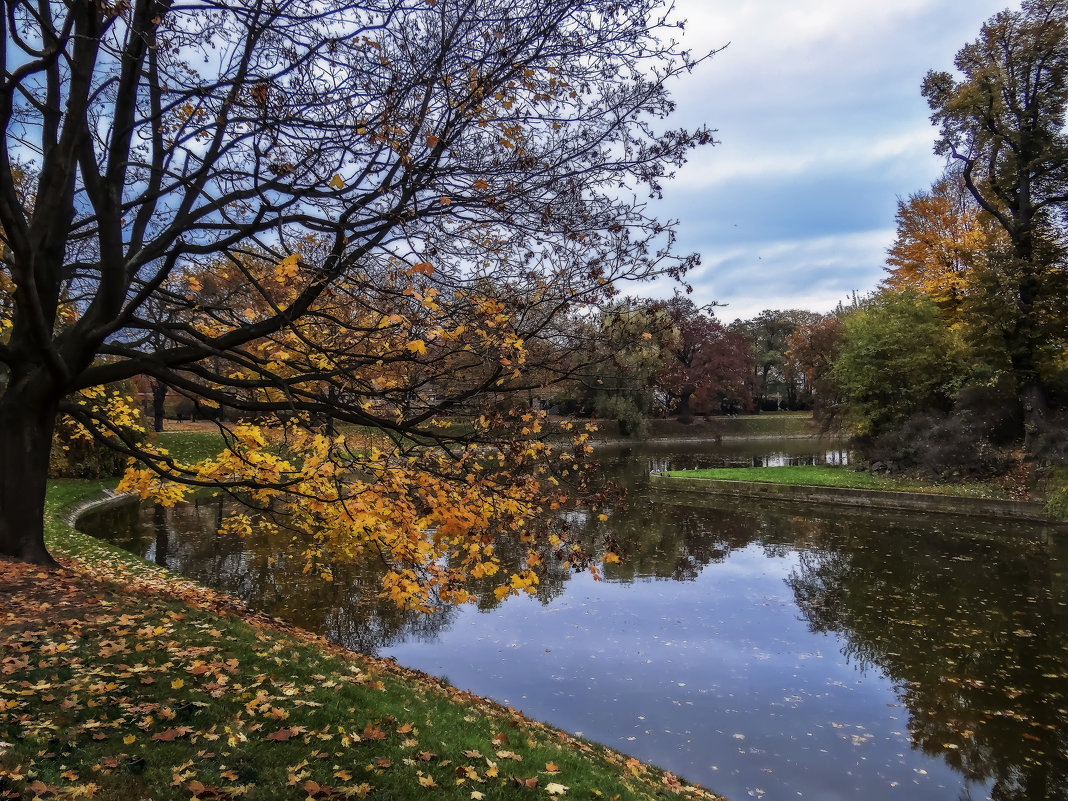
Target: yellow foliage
x=432, y=519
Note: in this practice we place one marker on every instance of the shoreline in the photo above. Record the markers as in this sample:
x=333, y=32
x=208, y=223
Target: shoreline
x=100, y=584
x=901, y=501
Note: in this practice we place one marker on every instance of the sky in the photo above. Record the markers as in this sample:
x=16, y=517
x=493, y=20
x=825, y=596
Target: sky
x=821, y=129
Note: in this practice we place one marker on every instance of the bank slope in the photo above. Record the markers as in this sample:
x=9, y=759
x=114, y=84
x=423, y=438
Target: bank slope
x=121, y=681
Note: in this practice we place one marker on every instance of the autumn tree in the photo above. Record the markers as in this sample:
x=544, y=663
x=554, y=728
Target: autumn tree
x=1002, y=122
x=723, y=372
x=943, y=239
x=707, y=364
x=680, y=377
x=812, y=349
x=409, y=195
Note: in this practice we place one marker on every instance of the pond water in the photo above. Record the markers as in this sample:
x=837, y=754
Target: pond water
x=763, y=650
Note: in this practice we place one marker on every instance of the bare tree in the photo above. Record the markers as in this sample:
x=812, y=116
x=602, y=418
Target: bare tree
x=491, y=152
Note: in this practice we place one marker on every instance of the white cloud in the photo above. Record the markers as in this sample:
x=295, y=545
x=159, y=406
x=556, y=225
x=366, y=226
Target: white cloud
x=818, y=108
x=813, y=273
x=712, y=167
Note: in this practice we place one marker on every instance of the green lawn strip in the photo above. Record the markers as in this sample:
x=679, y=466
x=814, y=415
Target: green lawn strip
x=120, y=680
x=191, y=446
x=824, y=476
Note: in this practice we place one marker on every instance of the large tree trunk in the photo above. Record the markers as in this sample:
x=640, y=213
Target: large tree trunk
x=683, y=412
x=1024, y=342
x=26, y=427
x=159, y=401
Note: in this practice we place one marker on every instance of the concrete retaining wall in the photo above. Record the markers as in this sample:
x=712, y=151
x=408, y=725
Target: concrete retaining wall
x=106, y=498
x=872, y=499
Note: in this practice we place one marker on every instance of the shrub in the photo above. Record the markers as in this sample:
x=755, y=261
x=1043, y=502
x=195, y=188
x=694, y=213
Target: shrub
x=939, y=444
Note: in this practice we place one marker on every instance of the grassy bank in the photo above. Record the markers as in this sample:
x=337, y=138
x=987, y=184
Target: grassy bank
x=121, y=681
x=823, y=476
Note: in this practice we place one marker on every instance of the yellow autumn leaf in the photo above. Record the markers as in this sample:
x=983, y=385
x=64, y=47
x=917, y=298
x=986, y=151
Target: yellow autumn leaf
x=555, y=788
x=417, y=346
x=336, y=182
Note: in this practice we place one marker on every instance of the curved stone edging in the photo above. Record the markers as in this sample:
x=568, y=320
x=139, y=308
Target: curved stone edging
x=862, y=498
x=108, y=498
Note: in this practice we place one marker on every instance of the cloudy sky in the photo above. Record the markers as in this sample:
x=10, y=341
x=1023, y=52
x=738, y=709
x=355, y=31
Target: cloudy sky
x=821, y=128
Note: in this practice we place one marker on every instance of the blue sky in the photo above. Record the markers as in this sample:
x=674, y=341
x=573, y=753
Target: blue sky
x=821, y=128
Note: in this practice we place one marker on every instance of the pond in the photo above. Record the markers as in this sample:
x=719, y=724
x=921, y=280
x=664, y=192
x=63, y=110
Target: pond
x=765, y=651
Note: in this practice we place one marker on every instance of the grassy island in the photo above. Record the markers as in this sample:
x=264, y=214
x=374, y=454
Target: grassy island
x=119, y=680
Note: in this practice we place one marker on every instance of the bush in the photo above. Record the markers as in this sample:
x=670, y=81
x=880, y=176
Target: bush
x=941, y=445
x=898, y=358
x=1050, y=441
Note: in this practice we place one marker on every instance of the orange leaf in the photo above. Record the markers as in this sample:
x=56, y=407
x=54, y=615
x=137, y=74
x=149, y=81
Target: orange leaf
x=371, y=732
x=281, y=735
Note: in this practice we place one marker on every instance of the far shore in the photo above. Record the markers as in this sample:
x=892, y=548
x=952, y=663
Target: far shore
x=831, y=485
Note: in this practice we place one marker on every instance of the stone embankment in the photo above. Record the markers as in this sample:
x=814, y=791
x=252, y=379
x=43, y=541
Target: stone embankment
x=859, y=498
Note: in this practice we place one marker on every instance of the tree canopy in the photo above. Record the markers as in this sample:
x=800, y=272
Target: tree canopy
x=1003, y=123
x=371, y=214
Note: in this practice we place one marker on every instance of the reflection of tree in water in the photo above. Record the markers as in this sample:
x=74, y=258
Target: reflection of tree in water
x=979, y=655
x=266, y=571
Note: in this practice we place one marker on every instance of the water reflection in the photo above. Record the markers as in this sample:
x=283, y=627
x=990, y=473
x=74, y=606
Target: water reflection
x=764, y=652
x=971, y=630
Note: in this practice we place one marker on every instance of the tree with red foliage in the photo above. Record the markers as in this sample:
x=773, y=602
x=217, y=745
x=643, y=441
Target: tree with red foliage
x=711, y=367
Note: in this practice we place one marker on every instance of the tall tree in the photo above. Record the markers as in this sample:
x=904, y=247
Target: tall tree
x=812, y=351
x=1003, y=122
x=400, y=184
x=681, y=376
x=768, y=333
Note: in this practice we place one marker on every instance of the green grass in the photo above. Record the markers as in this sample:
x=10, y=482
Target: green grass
x=823, y=476
x=1055, y=487
x=122, y=681
x=191, y=446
